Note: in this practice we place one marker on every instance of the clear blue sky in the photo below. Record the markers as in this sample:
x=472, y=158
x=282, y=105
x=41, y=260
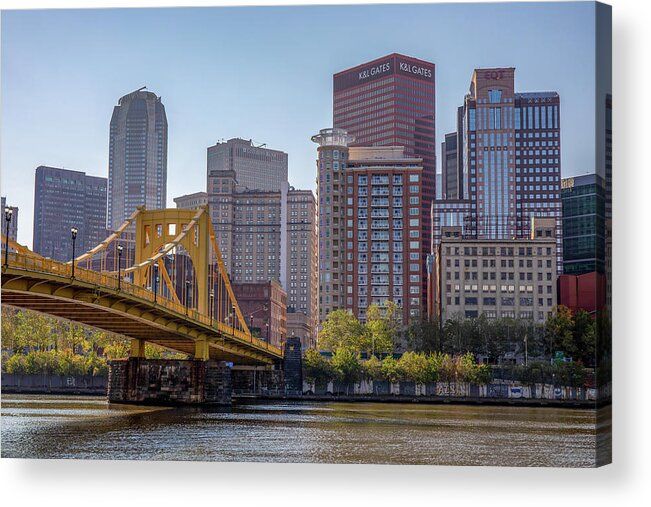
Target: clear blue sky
x=264, y=74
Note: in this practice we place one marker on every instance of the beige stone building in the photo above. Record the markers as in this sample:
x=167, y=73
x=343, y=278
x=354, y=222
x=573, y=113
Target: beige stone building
x=497, y=278
x=264, y=236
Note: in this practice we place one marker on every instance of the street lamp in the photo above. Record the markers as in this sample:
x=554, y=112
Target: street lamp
x=8, y=213
x=155, y=281
x=233, y=319
x=120, y=248
x=267, y=326
x=187, y=296
x=73, y=233
x=212, y=304
x=262, y=309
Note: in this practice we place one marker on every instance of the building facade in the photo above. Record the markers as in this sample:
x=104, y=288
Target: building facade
x=255, y=167
x=497, y=278
x=137, y=156
x=332, y=156
x=384, y=231
x=264, y=306
x=13, y=224
x=511, y=163
x=584, y=224
x=190, y=201
x=265, y=236
x=64, y=199
x=451, y=173
x=300, y=270
x=390, y=101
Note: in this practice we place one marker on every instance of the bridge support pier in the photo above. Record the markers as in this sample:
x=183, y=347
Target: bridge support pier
x=293, y=366
x=137, y=348
x=169, y=382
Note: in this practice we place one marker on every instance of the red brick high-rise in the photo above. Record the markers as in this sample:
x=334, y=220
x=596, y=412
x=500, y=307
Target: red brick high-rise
x=391, y=102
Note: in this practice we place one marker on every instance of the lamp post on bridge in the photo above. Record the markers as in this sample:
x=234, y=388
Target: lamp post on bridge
x=8, y=213
x=120, y=248
x=155, y=281
x=267, y=326
x=187, y=296
x=233, y=319
x=73, y=233
x=212, y=304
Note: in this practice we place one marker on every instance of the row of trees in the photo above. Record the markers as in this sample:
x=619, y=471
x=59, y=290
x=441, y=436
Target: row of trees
x=33, y=343
x=573, y=334
x=346, y=366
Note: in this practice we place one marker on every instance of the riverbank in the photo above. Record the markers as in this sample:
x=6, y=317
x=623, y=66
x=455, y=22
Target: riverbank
x=424, y=400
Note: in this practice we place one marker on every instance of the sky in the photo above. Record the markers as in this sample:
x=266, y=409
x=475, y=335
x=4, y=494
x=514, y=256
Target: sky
x=262, y=73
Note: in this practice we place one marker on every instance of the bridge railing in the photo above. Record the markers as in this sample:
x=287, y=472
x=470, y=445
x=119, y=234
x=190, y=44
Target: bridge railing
x=105, y=281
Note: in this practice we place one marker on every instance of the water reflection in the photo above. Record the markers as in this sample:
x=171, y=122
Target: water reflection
x=83, y=427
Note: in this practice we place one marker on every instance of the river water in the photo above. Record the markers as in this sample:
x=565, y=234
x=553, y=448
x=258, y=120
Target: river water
x=36, y=426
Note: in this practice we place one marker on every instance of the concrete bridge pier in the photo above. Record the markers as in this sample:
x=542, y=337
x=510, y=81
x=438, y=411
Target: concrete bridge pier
x=169, y=382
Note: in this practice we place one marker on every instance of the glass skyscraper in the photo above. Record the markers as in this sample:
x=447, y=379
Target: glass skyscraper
x=64, y=199
x=511, y=161
x=584, y=218
x=137, y=156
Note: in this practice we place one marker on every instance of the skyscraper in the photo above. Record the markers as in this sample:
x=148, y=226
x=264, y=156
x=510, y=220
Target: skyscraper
x=255, y=167
x=391, y=102
x=13, y=224
x=64, y=199
x=137, y=156
x=383, y=231
x=451, y=173
x=511, y=162
x=332, y=157
x=584, y=219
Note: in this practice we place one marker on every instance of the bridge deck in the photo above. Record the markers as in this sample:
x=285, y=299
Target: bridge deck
x=93, y=298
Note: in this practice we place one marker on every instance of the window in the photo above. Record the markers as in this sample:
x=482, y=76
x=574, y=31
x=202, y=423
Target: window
x=494, y=96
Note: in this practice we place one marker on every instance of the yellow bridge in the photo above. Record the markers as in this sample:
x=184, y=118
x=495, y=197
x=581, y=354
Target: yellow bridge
x=159, y=278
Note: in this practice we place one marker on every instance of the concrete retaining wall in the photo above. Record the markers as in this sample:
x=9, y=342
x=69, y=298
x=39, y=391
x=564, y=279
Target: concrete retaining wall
x=506, y=390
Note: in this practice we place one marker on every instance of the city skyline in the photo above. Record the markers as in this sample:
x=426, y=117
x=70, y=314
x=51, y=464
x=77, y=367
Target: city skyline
x=36, y=104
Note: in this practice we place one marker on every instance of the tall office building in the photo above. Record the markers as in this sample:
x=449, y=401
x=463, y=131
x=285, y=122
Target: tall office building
x=332, y=156
x=255, y=167
x=584, y=219
x=64, y=199
x=391, y=102
x=13, y=224
x=263, y=236
x=451, y=173
x=137, y=156
x=511, y=162
x=300, y=271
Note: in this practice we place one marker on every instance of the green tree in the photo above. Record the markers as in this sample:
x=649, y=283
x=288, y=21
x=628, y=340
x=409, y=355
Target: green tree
x=316, y=367
x=424, y=336
x=585, y=337
x=341, y=330
x=415, y=367
x=390, y=369
x=8, y=328
x=33, y=331
x=346, y=365
x=382, y=328
x=372, y=368
x=559, y=330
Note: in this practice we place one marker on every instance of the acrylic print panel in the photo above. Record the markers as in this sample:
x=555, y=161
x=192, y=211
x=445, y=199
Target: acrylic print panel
x=389, y=243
